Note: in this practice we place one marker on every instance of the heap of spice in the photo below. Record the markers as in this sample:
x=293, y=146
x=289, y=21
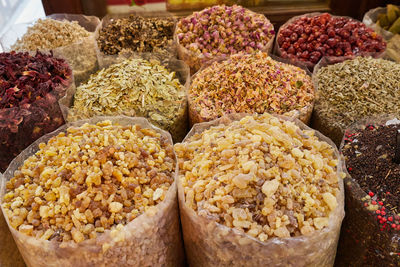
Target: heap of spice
x=261, y=175
x=135, y=87
x=309, y=38
x=353, y=89
x=137, y=34
x=89, y=179
x=48, y=34
x=373, y=214
x=30, y=87
x=223, y=30
x=249, y=83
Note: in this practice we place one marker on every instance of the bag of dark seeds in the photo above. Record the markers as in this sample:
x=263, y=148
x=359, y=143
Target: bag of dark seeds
x=370, y=234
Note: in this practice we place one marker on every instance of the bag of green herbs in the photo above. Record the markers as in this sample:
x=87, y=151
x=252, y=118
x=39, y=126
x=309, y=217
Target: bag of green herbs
x=250, y=83
x=352, y=89
x=135, y=85
x=137, y=32
x=30, y=87
x=257, y=190
x=371, y=229
x=96, y=192
x=67, y=35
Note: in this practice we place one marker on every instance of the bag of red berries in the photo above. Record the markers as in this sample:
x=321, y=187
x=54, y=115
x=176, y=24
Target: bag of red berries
x=370, y=234
x=309, y=37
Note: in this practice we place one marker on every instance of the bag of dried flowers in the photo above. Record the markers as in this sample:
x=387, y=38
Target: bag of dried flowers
x=371, y=229
x=350, y=89
x=97, y=192
x=250, y=83
x=220, y=31
x=30, y=87
x=138, y=32
x=257, y=189
x=9, y=254
x=135, y=85
x=67, y=35
x=309, y=37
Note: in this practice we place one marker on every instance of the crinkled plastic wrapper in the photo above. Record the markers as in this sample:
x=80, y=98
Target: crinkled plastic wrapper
x=81, y=55
x=177, y=126
x=161, y=53
x=303, y=114
x=208, y=243
x=362, y=243
x=21, y=126
x=9, y=254
x=152, y=239
x=310, y=65
x=195, y=61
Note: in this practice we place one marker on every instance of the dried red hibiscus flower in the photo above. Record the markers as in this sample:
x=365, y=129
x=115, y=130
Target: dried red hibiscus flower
x=30, y=87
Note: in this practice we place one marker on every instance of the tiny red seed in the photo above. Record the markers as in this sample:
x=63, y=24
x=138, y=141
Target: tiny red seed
x=381, y=221
x=383, y=208
x=390, y=219
x=378, y=212
x=350, y=169
x=384, y=219
x=393, y=225
x=379, y=217
x=383, y=213
x=380, y=203
x=373, y=202
x=371, y=194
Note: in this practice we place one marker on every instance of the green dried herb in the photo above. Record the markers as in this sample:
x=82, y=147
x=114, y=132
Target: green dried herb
x=134, y=87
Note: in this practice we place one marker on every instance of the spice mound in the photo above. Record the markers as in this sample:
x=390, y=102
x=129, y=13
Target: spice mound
x=248, y=83
x=309, y=38
x=370, y=160
x=135, y=87
x=261, y=175
x=48, y=34
x=137, y=34
x=90, y=179
x=30, y=87
x=224, y=30
x=354, y=89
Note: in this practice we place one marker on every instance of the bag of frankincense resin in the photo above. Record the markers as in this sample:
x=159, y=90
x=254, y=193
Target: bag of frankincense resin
x=371, y=229
x=259, y=189
x=96, y=192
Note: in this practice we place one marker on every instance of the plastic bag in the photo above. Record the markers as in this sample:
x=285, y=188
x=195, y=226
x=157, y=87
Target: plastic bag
x=178, y=126
x=148, y=240
x=196, y=61
x=303, y=114
x=80, y=55
x=21, y=126
x=208, y=243
x=310, y=65
x=170, y=51
x=362, y=243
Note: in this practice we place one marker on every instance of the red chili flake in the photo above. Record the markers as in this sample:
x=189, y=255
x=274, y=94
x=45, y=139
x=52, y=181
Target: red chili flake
x=371, y=194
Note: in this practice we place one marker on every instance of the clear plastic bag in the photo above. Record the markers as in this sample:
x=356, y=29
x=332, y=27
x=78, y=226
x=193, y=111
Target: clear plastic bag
x=170, y=51
x=362, y=243
x=151, y=239
x=178, y=126
x=21, y=126
x=81, y=55
x=303, y=114
x=208, y=243
x=310, y=65
x=196, y=61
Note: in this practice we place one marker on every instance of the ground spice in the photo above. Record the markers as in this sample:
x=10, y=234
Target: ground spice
x=248, y=84
x=354, y=89
x=134, y=87
x=89, y=179
x=137, y=34
x=30, y=87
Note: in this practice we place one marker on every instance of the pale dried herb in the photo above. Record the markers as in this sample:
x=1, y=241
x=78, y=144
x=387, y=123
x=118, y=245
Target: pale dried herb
x=353, y=89
x=134, y=87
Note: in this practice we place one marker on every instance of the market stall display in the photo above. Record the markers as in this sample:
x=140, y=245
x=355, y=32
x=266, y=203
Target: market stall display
x=257, y=189
x=309, y=37
x=136, y=87
x=98, y=192
x=30, y=86
x=250, y=83
x=220, y=31
x=351, y=90
x=66, y=35
x=370, y=232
